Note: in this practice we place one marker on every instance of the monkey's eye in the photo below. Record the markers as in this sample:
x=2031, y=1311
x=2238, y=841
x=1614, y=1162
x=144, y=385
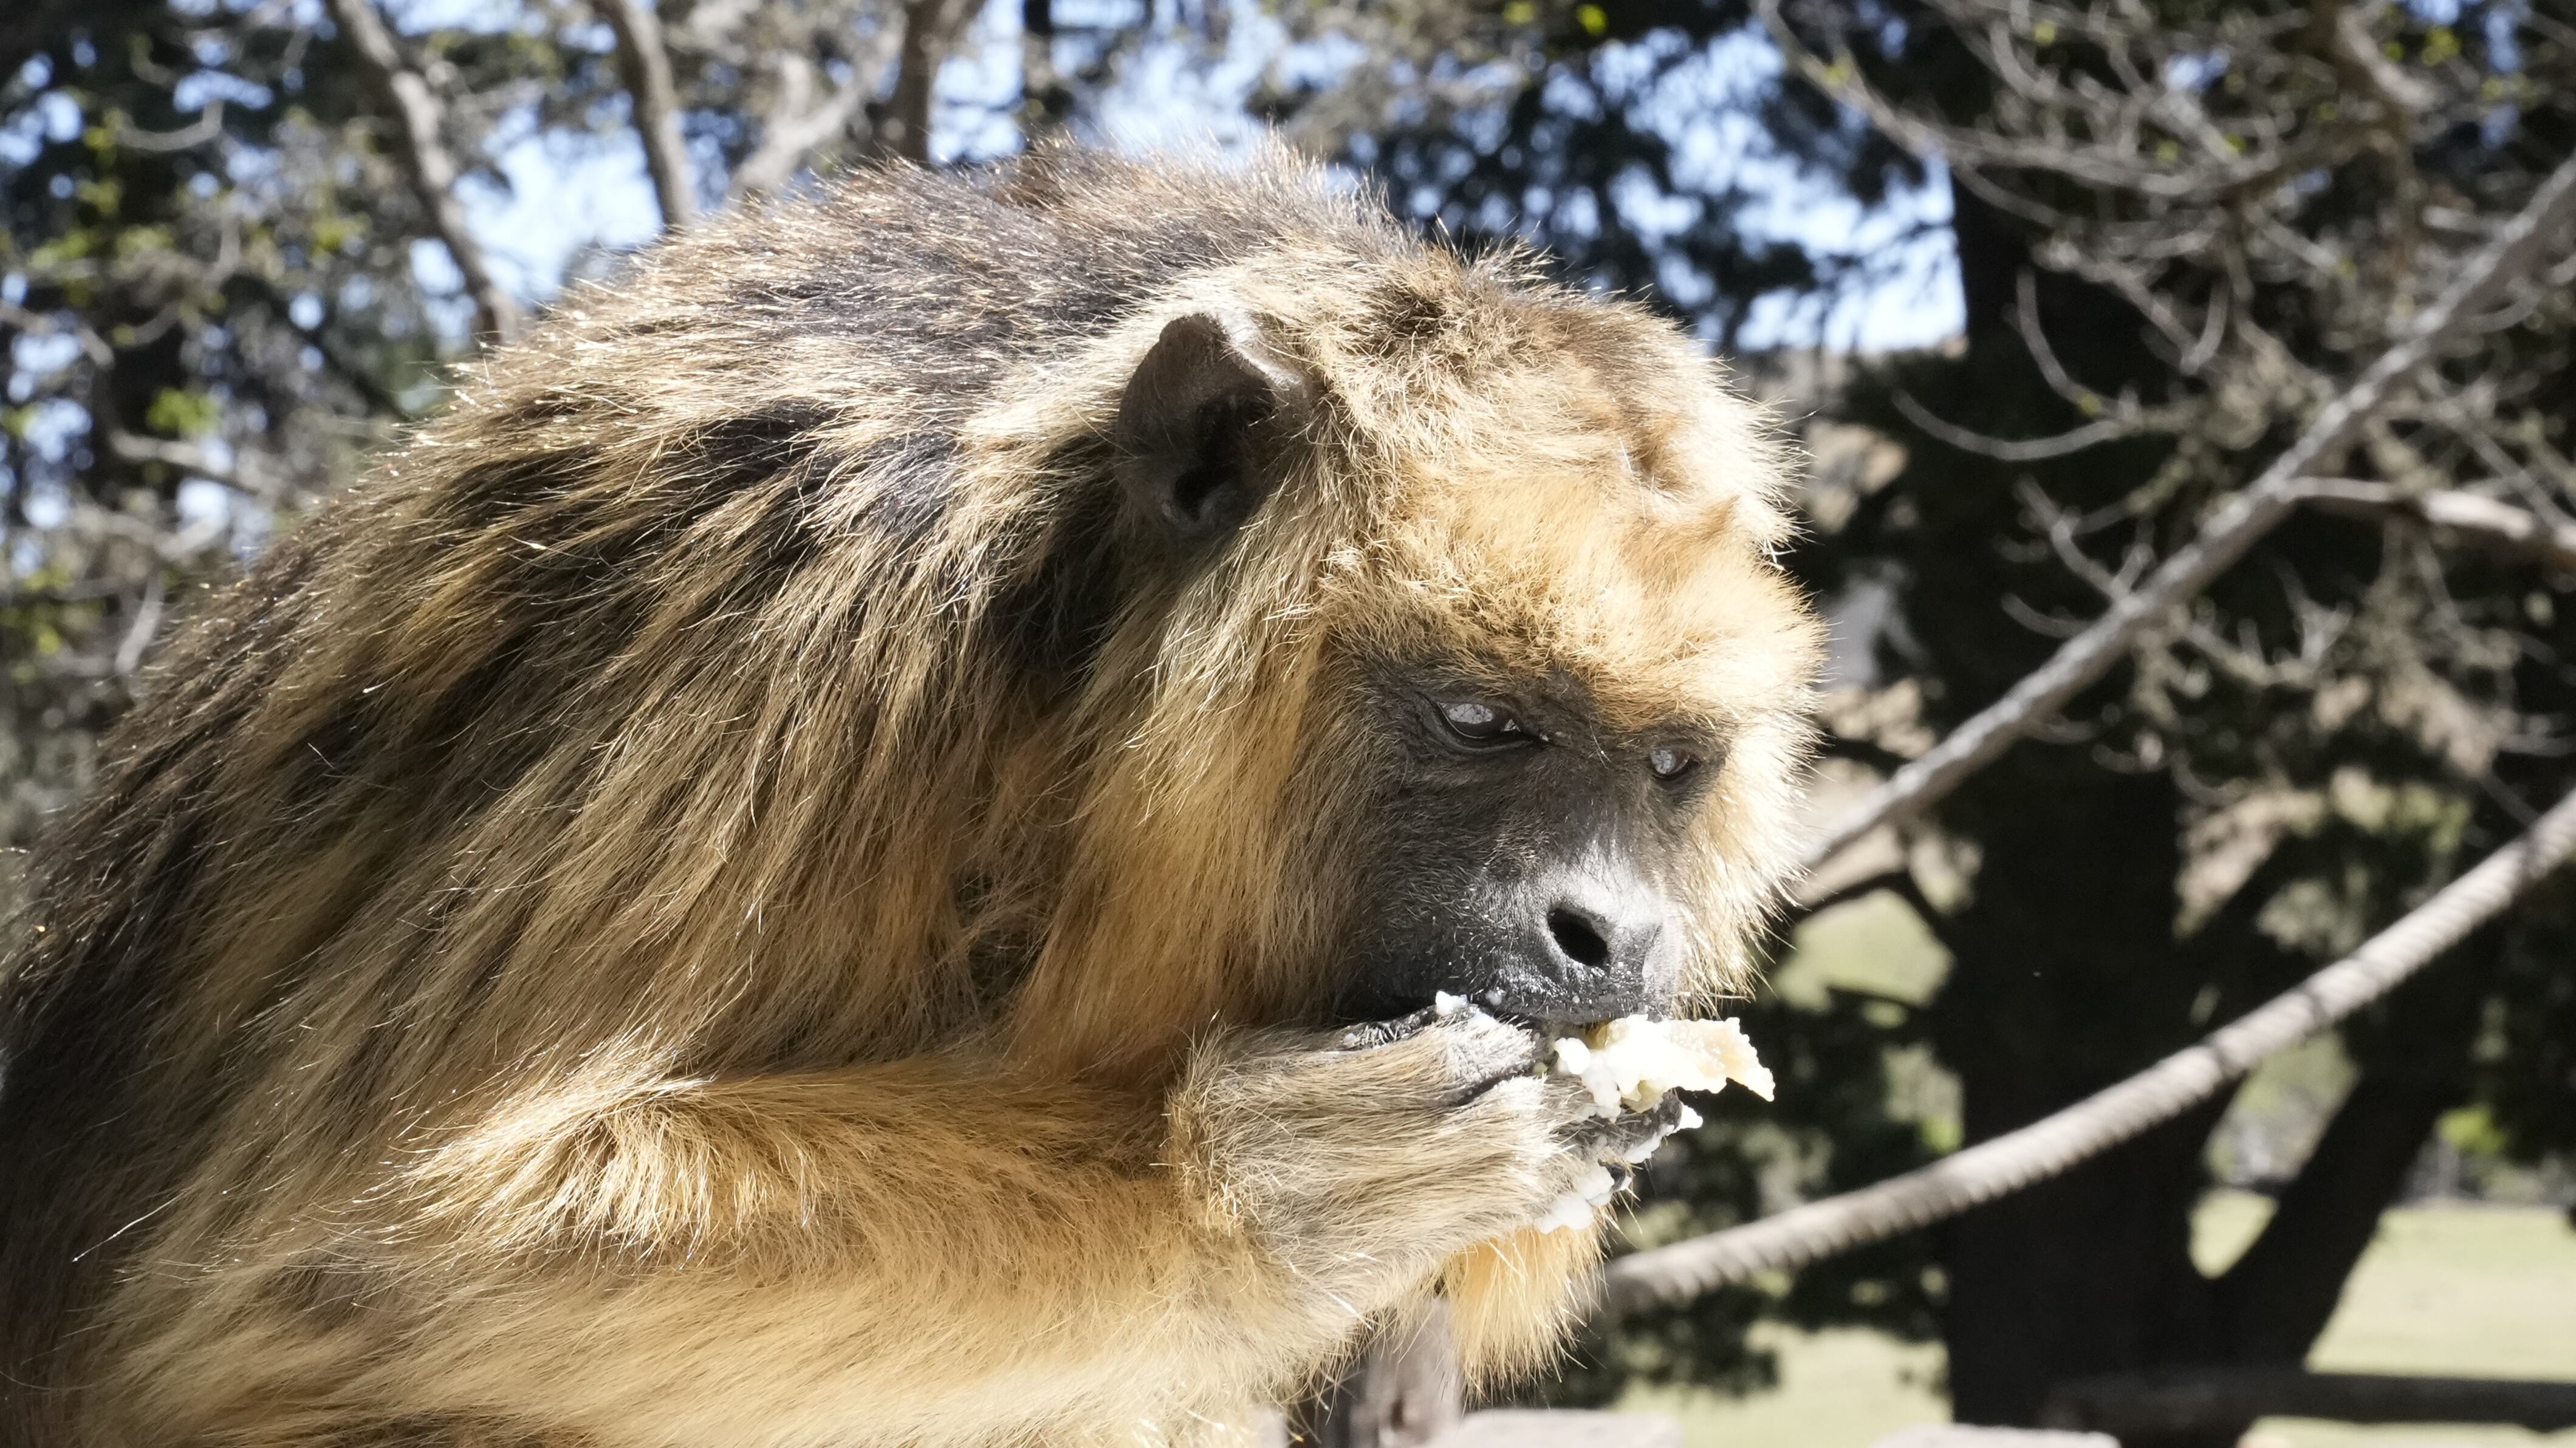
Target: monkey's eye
x=1669, y=762
x=1479, y=723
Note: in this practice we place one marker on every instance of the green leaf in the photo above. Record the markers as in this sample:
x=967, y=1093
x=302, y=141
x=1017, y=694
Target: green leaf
x=182, y=413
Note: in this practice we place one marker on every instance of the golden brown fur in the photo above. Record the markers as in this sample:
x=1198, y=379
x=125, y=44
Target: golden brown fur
x=727, y=897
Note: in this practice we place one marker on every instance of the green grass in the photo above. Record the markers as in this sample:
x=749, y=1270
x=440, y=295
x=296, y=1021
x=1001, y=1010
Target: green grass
x=2467, y=1290
x=1875, y=944
x=1840, y=1389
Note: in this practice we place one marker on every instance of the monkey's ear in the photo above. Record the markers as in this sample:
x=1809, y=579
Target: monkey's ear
x=1193, y=425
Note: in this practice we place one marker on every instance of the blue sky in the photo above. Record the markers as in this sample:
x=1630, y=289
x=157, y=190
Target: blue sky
x=567, y=193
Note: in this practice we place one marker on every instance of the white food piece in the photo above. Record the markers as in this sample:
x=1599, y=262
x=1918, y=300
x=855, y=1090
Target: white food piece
x=1568, y=1213
x=1597, y=1187
x=1628, y=1064
x=1631, y=1062
x=1444, y=1005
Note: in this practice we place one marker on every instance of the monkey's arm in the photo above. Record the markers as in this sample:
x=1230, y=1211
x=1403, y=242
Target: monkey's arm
x=927, y=1249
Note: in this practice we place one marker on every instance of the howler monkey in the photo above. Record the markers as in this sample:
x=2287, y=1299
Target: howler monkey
x=850, y=848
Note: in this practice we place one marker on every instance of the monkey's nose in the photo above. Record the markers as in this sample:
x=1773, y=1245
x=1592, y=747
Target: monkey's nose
x=1594, y=951
x=1600, y=932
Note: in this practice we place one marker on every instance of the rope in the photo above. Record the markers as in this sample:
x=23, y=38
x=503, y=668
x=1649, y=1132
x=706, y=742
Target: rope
x=2108, y=1117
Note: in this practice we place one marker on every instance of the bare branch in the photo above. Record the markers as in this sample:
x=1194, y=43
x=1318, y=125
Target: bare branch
x=1860, y=889
x=797, y=123
x=710, y=21
x=190, y=458
x=433, y=171
x=147, y=622
x=644, y=65
x=2026, y=450
x=2034, y=337
x=2466, y=516
x=208, y=125
x=2358, y=55
x=2094, y=165
x=2245, y=516
x=35, y=324
x=2213, y=330
x=2056, y=1143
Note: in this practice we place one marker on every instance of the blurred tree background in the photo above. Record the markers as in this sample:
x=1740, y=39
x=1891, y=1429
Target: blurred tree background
x=246, y=240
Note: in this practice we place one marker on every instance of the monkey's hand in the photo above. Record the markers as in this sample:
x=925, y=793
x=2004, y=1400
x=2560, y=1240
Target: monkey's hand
x=1360, y=1160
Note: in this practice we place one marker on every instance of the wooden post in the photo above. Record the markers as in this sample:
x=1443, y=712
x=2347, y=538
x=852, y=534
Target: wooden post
x=1404, y=1391
x=2181, y=1400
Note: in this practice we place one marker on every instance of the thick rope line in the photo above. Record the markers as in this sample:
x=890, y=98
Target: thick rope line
x=2108, y=1117
x=2245, y=517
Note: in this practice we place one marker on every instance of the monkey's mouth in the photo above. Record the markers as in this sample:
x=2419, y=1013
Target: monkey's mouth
x=1549, y=1026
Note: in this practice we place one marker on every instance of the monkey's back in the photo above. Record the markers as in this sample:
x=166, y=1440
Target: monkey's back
x=244, y=896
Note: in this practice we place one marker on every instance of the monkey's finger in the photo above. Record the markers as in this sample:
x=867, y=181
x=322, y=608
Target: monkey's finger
x=1454, y=1062
x=1481, y=1052
x=1372, y=1034
x=1629, y=1137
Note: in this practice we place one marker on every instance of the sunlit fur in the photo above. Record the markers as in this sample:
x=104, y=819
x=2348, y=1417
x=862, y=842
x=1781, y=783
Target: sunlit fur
x=645, y=923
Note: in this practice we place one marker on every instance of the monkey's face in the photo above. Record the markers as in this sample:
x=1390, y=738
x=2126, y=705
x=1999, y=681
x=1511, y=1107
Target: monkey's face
x=1515, y=847
x=1553, y=690
x=1569, y=785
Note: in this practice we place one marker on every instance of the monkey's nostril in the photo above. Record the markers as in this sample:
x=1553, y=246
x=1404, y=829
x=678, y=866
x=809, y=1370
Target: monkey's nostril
x=1579, y=938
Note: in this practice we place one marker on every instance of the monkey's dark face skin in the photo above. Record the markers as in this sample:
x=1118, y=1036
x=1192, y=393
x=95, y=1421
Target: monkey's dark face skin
x=1515, y=851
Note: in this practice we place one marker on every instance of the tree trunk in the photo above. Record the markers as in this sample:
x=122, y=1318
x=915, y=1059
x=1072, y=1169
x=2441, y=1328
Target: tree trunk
x=2276, y=1299
x=2082, y=1276
x=931, y=30
x=2068, y=977
x=1046, y=102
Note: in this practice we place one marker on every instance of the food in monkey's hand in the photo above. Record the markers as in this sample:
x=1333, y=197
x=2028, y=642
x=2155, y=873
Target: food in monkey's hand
x=1632, y=1061
x=1629, y=1065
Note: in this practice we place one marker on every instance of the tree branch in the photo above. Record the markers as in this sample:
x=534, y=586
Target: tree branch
x=147, y=622
x=2117, y=1113
x=2466, y=516
x=644, y=65
x=1867, y=752
x=2029, y=450
x=208, y=125
x=2110, y=167
x=240, y=475
x=2245, y=517
x=798, y=123
x=1900, y=879
x=432, y=170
